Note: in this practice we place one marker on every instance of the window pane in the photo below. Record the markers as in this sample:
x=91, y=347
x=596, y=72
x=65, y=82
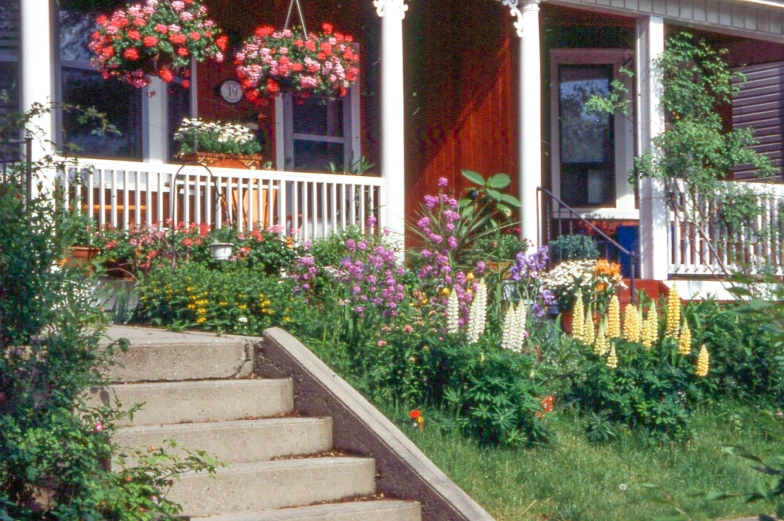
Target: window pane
x=119, y=101
x=75, y=31
x=9, y=29
x=586, y=138
x=319, y=117
x=315, y=156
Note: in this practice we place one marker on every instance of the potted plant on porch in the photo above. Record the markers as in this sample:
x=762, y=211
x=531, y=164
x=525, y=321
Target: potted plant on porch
x=157, y=38
x=218, y=144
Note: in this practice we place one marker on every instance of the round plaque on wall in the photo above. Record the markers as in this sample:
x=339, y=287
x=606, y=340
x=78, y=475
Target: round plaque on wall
x=231, y=91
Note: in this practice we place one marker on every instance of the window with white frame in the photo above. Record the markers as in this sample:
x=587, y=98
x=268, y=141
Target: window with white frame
x=320, y=134
x=9, y=55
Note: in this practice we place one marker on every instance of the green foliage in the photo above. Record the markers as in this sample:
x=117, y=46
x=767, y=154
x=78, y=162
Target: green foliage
x=573, y=247
x=54, y=448
x=651, y=390
x=192, y=295
x=747, y=364
x=332, y=249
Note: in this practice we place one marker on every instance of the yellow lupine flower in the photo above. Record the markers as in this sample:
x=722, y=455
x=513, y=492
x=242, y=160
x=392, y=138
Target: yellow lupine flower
x=614, y=318
x=703, y=362
x=589, y=333
x=631, y=324
x=612, y=360
x=602, y=345
x=673, y=313
x=578, y=318
x=684, y=341
x=650, y=328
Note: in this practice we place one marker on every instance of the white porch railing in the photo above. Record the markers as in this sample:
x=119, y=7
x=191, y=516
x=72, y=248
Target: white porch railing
x=704, y=242
x=126, y=194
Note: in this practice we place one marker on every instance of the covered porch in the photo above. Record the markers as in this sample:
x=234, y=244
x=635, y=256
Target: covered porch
x=396, y=120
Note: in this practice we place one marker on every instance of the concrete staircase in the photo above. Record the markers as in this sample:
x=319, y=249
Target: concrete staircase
x=199, y=390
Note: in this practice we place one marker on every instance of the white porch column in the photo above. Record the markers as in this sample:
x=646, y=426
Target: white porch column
x=530, y=121
x=654, y=248
x=155, y=122
x=393, y=153
x=37, y=70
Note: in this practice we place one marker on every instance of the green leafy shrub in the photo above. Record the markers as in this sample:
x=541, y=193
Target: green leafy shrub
x=573, y=247
x=192, y=295
x=652, y=390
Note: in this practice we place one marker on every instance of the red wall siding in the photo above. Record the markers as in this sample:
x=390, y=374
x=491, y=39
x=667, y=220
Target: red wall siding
x=460, y=108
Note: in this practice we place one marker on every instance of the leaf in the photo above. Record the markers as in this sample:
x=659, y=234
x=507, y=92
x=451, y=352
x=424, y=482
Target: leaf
x=499, y=181
x=511, y=200
x=494, y=194
x=474, y=177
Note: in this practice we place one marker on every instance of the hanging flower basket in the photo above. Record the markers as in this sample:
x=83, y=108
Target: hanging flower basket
x=270, y=62
x=157, y=38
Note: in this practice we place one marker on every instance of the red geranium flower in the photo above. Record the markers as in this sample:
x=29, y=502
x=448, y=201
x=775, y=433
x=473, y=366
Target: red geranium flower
x=150, y=41
x=185, y=84
x=195, y=36
x=131, y=54
x=166, y=75
x=272, y=86
x=263, y=31
x=416, y=413
x=327, y=28
x=182, y=51
x=134, y=35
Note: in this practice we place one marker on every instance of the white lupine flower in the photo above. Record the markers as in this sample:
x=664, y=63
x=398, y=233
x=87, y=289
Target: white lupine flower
x=452, y=313
x=509, y=335
x=522, y=316
x=478, y=314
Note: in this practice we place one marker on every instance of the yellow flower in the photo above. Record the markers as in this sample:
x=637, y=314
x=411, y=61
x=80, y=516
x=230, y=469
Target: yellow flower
x=588, y=328
x=201, y=320
x=224, y=303
x=191, y=306
x=602, y=345
x=242, y=306
x=190, y=288
x=650, y=328
x=470, y=277
x=684, y=342
x=286, y=319
x=578, y=318
x=445, y=292
x=612, y=360
x=703, y=362
x=614, y=318
x=631, y=324
x=673, y=313
x=201, y=311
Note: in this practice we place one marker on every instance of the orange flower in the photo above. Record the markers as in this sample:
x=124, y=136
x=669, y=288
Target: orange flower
x=415, y=414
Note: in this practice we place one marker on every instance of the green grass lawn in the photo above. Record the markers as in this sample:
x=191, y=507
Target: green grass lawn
x=574, y=479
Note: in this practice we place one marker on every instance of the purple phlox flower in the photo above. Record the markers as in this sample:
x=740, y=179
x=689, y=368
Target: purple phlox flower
x=362, y=245
x=480, y=267
x=424, y=222
x=350, y=245
x=430, y=201
x=452, y=242
x=370, y=221
x=449, y=227
x=443, y=182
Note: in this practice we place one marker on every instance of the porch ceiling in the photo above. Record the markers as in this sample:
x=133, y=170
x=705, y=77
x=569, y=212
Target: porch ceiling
x=758, y=19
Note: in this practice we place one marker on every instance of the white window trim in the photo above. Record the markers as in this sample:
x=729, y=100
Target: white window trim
x=623, y=130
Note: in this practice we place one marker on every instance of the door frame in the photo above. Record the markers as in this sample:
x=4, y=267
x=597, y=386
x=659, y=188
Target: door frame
x=625, y=200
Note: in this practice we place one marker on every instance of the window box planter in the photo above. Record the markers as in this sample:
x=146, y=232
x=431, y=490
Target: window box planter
x=245, y=162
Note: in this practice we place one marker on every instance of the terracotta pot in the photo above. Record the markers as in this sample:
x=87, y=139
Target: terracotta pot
x=81, y=256
x=253, y=162
x=566, y=322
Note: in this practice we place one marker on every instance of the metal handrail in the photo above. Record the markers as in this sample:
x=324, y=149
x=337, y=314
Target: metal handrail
x=574, y=216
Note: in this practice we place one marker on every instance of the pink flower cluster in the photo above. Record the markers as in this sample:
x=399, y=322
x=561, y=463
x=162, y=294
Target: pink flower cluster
x=271, y=61
x=157, y=38
x=437, y=226
x=374, y=281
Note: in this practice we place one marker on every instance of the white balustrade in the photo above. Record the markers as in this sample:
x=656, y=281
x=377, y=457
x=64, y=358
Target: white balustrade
x=702, y=243
x=305, y=205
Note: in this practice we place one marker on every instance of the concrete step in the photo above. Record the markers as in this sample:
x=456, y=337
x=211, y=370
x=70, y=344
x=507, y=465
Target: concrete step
x=198, y=402
x=385, y=510
x=239, y=441
x=155, y=357
x=244, y=488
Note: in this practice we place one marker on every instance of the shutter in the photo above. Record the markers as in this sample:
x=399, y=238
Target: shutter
x=9, y=29
x=760, y=106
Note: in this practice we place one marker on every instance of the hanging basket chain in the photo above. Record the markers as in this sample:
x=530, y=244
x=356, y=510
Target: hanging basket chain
x=301, y=17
